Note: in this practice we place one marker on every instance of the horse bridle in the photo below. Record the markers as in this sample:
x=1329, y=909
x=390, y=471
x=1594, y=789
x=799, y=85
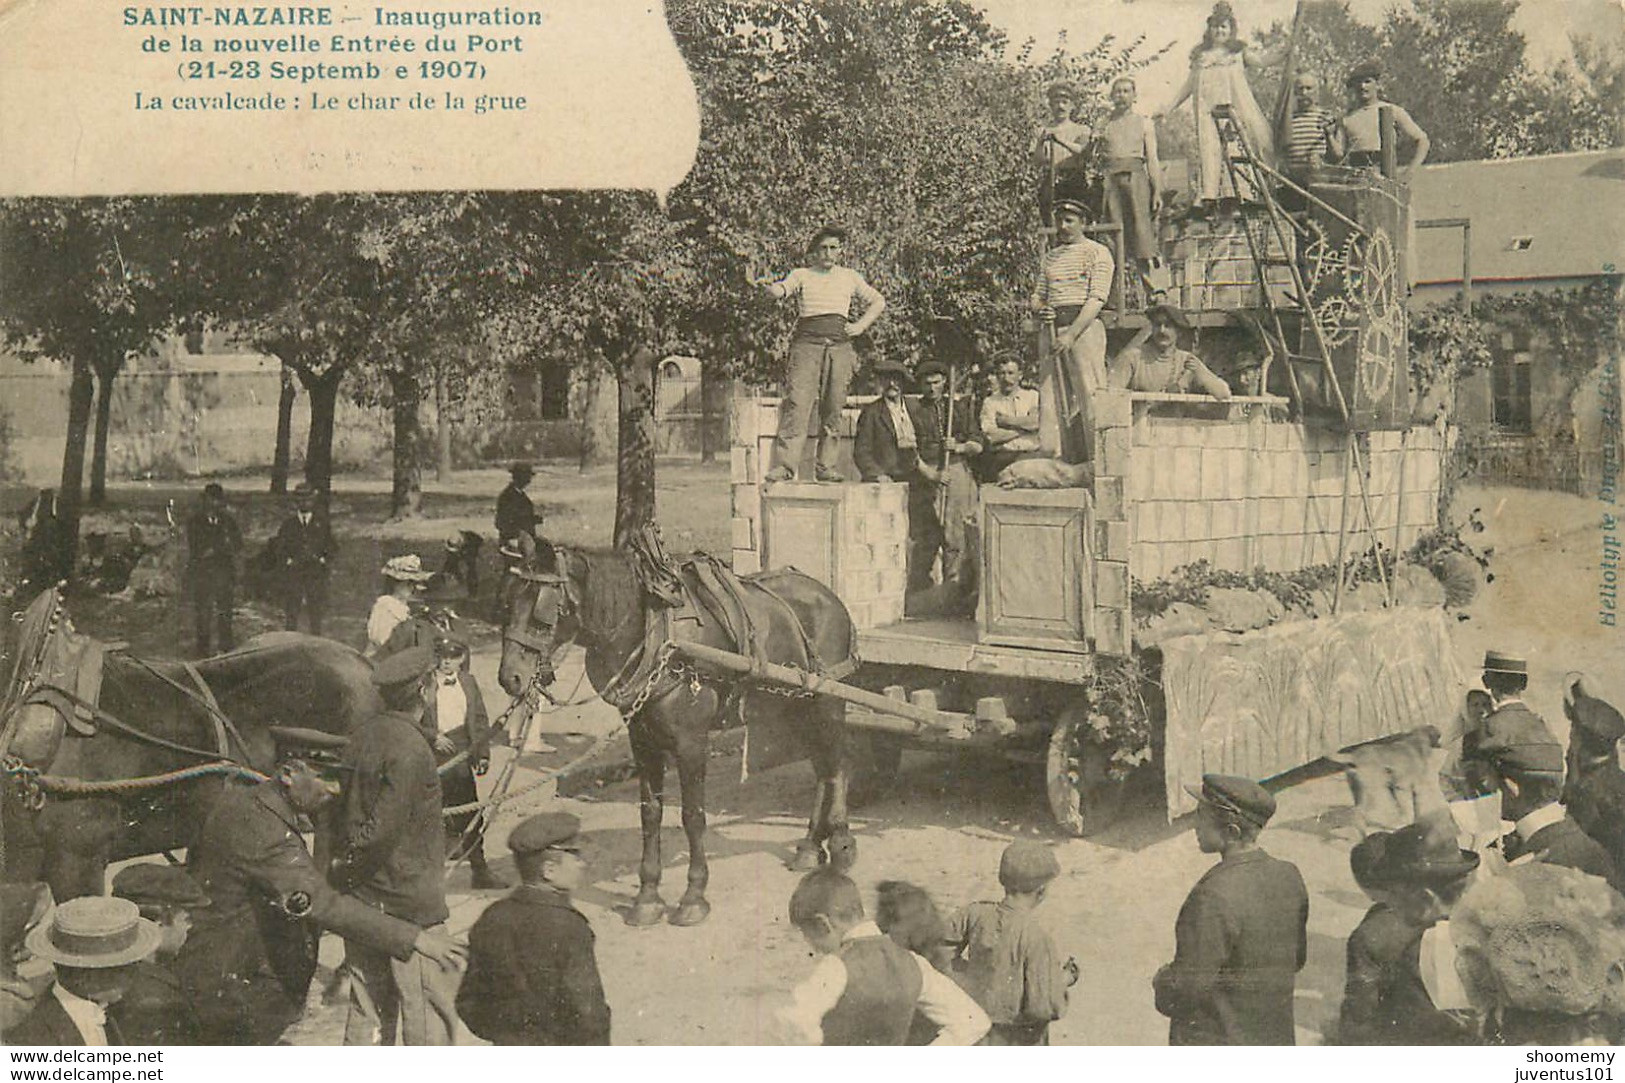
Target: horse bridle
x=565, y=604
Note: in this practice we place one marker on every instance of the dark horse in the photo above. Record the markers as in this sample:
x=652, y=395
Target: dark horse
x=596, y=598
x=150, y=719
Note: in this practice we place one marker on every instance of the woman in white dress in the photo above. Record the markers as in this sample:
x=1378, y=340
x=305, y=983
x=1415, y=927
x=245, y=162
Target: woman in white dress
x=1218, y=76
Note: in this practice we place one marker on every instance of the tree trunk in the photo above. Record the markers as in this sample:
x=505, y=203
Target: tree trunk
x=69, y=492
x=442, y=427
x=105, y=376
x=324, y=398
x=406, y=494
x=709, y=383
x=284, y=432
x=635, y=460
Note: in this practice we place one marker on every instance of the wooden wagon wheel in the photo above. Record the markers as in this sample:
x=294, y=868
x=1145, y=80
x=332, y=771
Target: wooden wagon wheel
x=1083, y=796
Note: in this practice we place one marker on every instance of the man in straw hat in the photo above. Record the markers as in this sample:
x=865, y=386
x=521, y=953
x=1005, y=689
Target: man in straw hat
x=92, y=942
x=403, y=576
x=248, y=961
x=1242, y=935
x=1509, y=721
x=395, y=860
x=1416, y=875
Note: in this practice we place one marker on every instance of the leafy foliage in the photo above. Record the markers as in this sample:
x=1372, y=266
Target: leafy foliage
x=1122, y=712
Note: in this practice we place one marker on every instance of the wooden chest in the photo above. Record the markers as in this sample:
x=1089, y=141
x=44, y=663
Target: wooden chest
x=1037, y=585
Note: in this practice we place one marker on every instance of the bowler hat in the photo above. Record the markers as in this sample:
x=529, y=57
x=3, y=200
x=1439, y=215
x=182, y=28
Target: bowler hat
x=1424, y=853
x=1169, y=313
x=521, y=470
x=887, y=365
x=403, y=666
x=94, y=932
x=1497, y=662
x=546, y=831
x=159, y=885
x=1236, y=796
x=1027, y=866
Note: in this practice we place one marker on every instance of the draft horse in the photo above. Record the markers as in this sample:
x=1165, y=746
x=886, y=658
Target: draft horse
x=108, y=756
x=598, y=599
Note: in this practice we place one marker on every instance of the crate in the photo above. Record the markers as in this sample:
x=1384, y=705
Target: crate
x=1037, y=571
x=852, y=538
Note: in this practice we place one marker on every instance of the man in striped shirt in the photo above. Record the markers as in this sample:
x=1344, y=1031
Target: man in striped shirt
x=1312, y=137
x=1074, y=283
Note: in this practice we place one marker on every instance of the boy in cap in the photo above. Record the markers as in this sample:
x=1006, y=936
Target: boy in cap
x=1594, y=790
x=394, y=859
x=1242, y=935
x=1005, y=959
x=866, y=989
x=155, y=1009
x=1416, y=875
x=248, y=962
x=1528, y=771
x=532, y=972
x=92, y=942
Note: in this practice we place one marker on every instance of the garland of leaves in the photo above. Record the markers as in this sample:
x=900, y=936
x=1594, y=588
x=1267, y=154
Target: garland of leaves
x=1121, y=717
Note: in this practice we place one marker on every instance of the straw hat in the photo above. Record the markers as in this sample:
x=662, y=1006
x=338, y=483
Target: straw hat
x=94, y=933
x=407, y=568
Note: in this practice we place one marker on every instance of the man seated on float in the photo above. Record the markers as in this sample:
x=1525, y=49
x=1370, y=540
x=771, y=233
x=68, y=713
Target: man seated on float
x=1009, y=418
x=1154, y=362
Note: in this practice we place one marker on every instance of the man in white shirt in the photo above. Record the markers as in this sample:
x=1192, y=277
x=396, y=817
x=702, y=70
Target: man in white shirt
x=93, y=942
x=1009, y=418
x=821, y=355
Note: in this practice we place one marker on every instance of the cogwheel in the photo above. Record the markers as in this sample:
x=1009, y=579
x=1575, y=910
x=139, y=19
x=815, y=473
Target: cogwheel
x=1379, y=346
x=1337, y=321
x=1321, y=258
x=1369, y=272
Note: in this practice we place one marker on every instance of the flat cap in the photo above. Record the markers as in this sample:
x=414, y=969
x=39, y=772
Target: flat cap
x=1076, y=206
x=887, y=364
x=546, y=831
x=448, y=647
x=403, y=666
x=1236, y=796
x=1497, y=662
x=1027, y=866
x=930, y=368
x=315, y=747
x=159, y=885
x=1169, y=313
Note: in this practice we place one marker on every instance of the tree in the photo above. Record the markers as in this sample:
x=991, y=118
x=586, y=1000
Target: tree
x=82, y=282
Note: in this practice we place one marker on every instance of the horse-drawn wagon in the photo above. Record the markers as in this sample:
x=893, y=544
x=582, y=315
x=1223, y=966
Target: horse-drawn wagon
x=1317, y=462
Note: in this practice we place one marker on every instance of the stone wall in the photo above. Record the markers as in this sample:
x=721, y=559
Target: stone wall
x=1249, y=493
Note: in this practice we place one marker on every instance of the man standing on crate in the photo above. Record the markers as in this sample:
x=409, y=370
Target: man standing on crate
x=1074, y=283
x=821, y=353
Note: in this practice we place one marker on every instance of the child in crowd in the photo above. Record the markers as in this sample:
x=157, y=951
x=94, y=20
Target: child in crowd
x=866, y=989
x=906, y=913
x=1006, y=960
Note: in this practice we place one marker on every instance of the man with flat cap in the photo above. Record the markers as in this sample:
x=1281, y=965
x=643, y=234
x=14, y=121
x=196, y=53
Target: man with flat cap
x=1509, y=722
x=889, y=444
x=532, y=973
x=1594, y=790
x=394, y=859
x=1242, y=935
x=1156, y=363
x=1528, y=770
x=247, y=963
x=155, y=1009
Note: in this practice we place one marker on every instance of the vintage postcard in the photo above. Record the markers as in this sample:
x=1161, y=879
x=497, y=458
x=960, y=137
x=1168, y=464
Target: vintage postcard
x=855, y=522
